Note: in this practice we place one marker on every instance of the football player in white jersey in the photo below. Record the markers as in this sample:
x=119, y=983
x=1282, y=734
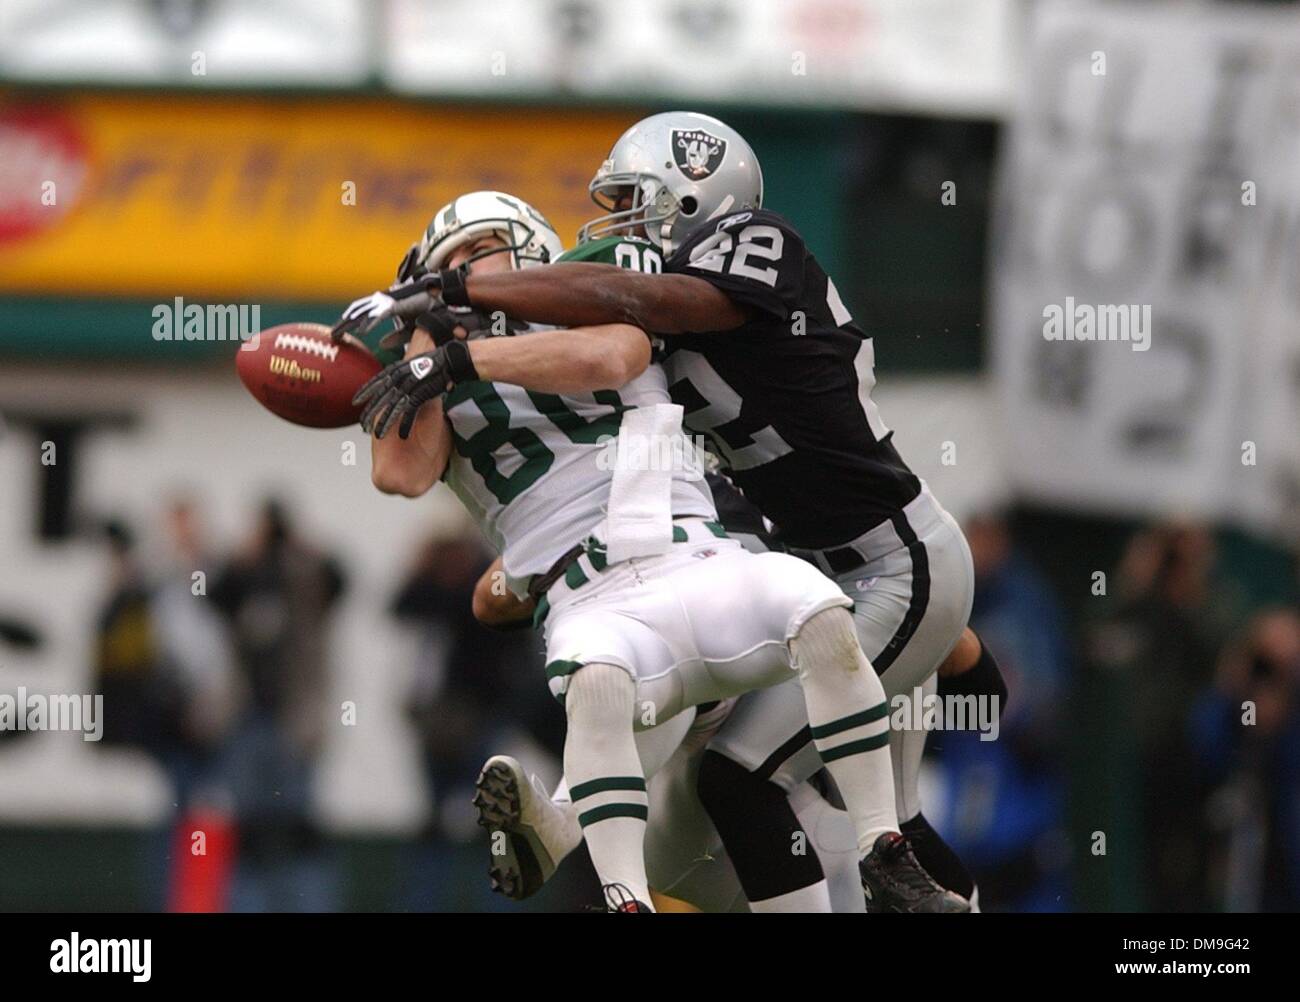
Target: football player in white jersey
x=770, y=367
x=807, y=841
x=648, y=608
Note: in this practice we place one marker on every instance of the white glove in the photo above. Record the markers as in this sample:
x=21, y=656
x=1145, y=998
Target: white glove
x=401, y=303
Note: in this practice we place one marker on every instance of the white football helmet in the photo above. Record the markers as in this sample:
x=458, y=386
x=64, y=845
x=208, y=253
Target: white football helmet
x=529, y=238
x=681, y=168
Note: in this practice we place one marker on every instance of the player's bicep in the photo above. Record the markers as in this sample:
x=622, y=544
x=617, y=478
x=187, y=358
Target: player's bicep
x=698, y=306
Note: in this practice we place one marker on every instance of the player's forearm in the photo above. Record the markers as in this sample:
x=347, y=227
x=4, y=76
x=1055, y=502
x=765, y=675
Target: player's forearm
x=585, y=295
x=564, y=361
x=411, y=466
x=494, y=604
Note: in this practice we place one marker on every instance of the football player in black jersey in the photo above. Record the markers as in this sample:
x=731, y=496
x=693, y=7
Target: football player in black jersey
x=766, y=360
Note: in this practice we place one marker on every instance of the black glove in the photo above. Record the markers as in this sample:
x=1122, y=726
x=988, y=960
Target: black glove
x=410, y=268
x=401, y=389
x=408, y=271
x=441, y=321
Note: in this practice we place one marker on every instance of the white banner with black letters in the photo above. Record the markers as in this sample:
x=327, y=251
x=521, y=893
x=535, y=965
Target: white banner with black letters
x=950, y=57
x=1147, y=261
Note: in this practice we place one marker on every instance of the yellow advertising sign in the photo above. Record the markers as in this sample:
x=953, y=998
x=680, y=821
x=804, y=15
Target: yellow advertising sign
x=305, y=198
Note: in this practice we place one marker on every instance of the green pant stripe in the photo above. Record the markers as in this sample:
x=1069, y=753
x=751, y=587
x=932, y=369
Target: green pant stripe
x=557, y=669
x=605, y=811
x=878, y=712
x=679, y=534
x=543, y=607
x=854, y=747
x=605, y=784
x=716, y=529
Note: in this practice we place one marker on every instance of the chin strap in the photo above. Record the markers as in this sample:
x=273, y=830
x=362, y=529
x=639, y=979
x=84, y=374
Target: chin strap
x=665, y=238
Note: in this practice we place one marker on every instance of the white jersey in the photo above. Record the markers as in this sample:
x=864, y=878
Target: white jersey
x=535, y=469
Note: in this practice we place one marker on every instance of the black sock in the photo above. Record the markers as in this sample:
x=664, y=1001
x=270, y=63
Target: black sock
x=984, y=679
x=758, y=826
x=937, y=857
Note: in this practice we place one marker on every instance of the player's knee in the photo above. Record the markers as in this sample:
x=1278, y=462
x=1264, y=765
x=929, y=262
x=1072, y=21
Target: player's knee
x=827, y=638
x=600, y=692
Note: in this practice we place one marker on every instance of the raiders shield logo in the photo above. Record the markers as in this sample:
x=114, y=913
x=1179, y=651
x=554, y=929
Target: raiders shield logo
x=697, y=153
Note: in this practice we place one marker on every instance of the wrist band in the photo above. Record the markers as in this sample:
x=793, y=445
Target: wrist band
x=453, y=286
x=460, y=366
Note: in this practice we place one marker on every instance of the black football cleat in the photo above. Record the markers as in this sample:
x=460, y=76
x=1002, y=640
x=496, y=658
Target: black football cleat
x=893, y=881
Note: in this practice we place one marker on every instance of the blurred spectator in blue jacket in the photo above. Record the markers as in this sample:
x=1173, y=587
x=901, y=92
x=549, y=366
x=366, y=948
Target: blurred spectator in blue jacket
x=1246, y=736
x=1005, y=808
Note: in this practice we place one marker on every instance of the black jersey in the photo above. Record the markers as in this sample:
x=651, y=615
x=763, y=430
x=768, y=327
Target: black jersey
x=738, y=515
x=785, y=399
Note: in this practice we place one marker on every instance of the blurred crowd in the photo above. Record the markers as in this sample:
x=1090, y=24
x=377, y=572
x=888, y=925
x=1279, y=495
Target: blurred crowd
x=1159, y=711
x=1149, y=757
x=229, y=696
x=1210, y=689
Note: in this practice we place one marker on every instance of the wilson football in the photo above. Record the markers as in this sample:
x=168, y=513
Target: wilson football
x=296, y=372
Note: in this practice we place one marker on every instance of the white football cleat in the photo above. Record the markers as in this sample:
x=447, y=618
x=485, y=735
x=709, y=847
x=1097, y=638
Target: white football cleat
x=538, y=832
